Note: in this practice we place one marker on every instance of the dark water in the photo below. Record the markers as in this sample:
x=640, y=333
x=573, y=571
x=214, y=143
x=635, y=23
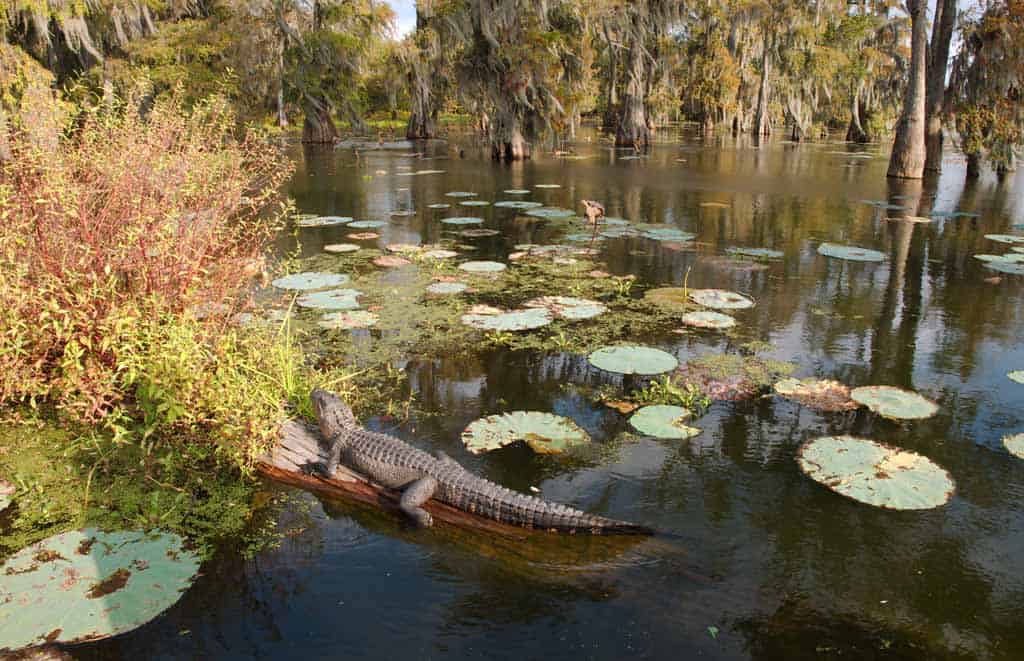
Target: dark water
x=762, y=562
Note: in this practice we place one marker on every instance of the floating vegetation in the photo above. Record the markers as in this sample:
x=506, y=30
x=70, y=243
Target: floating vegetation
x=739, y=264
x=1012, y=258
x=663, y=421
x=391, y=261
x=708, y=320
x=1016, y=375
x=478, y=233
x=673, y=298
x=340, y=247
x=446, y=288
x=546, y=186
x=309, y=280
x=323, y=221
x=875, y=473
x=852, y=253
x=482, y=267
x=728, y=377
x=460, y=193
x=348, y=320
x=1006, y=238
x=1012, y=268
x=86, y=585
x=551, y=212
x=518, y=204
x=755, y=253
x=475, y=203
x=721, y=299
x=403, y=213
x=517, y=191
x=332, y=299
x=568, y=307
x=367, y=224
x=512, y=321
x=667, y=234
x=439, y=205
x=1015, y=445
x=714, y=205
x=633, y=359
x=820, y=394
x=619, y=233
x=882, y=204
x=463, y=220
x=909, y=219
x=403, y=248
x=894, y=403
x=439, y=253
x=364, y=236
x=545, y=433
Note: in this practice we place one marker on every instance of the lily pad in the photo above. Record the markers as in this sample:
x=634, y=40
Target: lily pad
x=439, y=206
x=332, y=299
x=582, y=237
x=709, y=320
x=86, y=585
x=403, y=248
x=341, y=247
x=720, y=299
x=545, y=433
x=439, y=253
x=364, y=236
x=547, y=186
x=1016, y=375
x=475, y=203
x=895, y=403
x=460, y=193
x=568, y=307
x=478, y=233
x=323, y=221
x=820, y=394
x=518, y=204
x=875, y=473
x=1006, y=238
x=1006, y=267
x=673, y=298
x=667, y=234
x=1015, y=444
x=345, y=320
x=513, y=320
x=462, y=220
x=391, y=261
x=447, y=287
x=367, y=224
x=663, y=421
x=756, y=253
x=852, y=253
x=517, y=191
x=551, y=212
x=310, y=280
x=482, y=267
x=633, y=359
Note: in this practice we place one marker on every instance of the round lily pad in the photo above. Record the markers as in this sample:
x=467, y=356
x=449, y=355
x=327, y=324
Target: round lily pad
x=611, y=221
x=367, y=224
x=364, y=236
x=1006, y=267
x=1015, y=444
x=341, y=247
x=1016, y=375
x=462, y=220
x=662, y=421
x=547, y=186
x=460, y=193
x=756, y=253
x=439, y=206
x=551, y=212
x=581, y=237
x=475, y=203
x=482, y=267
x=310, y=280
x=875, y=473
x=86, y=584
x=568, y=307
x=545, y=433
x=720, y=299
x=709, y=320
x=447, y=287
x=1006, y=238
x=895, y=403
x=332, y=299
x=674, y=298
x=518, y=204
x=633, y=359
x=478, y=232
x=821, y=394
x=513, y=320
x=666, y=234
x=391, y=261
x=439, y=253
x=353, y=319
x=517, y=191
x=852, y=253
x=323, y=221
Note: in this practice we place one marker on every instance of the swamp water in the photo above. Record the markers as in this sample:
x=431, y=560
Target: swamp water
x=761, y=562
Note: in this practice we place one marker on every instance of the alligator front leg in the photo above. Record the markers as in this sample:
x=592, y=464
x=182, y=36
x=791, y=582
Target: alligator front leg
x=415, y=494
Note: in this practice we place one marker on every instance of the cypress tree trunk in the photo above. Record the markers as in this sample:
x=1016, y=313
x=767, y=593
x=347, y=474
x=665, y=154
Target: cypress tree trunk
x=632, y=130
x=507, y=141
x=856, y=132
x=938, y=58
x=761, y=126
x=319, y=127
x=422, y=112
x=908, y=150
x=973, y=165
x=611, y=112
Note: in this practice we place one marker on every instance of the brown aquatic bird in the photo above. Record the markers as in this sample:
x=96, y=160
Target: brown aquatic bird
x=593, y=210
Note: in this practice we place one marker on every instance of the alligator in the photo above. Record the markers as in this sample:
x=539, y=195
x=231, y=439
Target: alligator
x=393, y=463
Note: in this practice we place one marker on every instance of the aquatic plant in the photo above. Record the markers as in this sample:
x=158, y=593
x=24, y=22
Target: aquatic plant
x=568, y=307
x=447, y=287
x=1015, y=445
x=851, y=253
x=755, y=253
x=895, y=403
x=633, y=359
x=821, y=394
x=331, y=299
x=323, y=221
x=462, y=220
x=663, y=421
x=513, y=320
x=728, y=377
x=1016, y=375
x=310, y=280
x=671, y=390
x=482, y=267
x=459, y=193
x=875, y=473
x=545, y=433
x=341, y=247
x=709, y=320
x=346, y=320
x=550, y=212
x=720, y=299
x=367, y=224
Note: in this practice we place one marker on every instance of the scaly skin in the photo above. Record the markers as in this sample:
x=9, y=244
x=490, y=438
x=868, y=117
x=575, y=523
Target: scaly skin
x=393, y=463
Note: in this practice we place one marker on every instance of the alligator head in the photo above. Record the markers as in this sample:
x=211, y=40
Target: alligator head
x=332, y=413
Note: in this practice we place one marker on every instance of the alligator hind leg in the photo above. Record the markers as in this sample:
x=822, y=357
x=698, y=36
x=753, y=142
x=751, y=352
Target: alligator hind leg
x=416, y=493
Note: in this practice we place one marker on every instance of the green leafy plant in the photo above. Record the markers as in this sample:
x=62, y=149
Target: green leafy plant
x=670, y=390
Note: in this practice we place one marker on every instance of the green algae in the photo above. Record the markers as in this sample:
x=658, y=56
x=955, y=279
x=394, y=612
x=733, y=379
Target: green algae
x=544, y=433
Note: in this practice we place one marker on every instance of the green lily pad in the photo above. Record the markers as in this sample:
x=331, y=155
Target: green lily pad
x=582, y=237
x=633, y=359
x=310, y=280
x=1016, y=375
x=460, y=193
x=709, y=320
x=462, y=220
x=1006, y=238
x=667, y=234
x=347, y=320
x=475, y=203
x=852, y=253
x=447, y=287
x=1006, y=267
x=478, y=233
x=1019, y=249
x=439, y=206
x=551, y=212
x=517, y=191
x=323, y=221
x=620, y=233
x=545, y=433
x=820, y=394
x=611, y=221
x=367, y=224
x=756, y=253
x=720, y=299
x=482, y=267
x=332, y=299
x=547, y=186
x=568, y=307
x=673, y=298
x=875, y=473
x=86, y=584
x=439, y=253
x=518, y=204
x=663, y=421
x=340, y=247
x=513, y=320
x=895, y=403
x=1015, y=444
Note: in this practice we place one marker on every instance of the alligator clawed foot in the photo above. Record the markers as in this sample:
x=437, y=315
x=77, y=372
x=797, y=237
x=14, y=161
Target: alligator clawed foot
x=422, y=519
x=317, y=468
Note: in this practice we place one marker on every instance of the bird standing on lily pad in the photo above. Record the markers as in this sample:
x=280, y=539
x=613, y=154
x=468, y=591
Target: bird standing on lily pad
x=593, y=210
